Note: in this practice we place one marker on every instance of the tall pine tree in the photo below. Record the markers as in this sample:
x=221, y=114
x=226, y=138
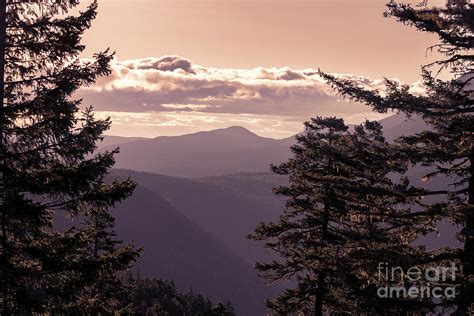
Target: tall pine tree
x=448, y=108
x=343, y=217
x=47, y=168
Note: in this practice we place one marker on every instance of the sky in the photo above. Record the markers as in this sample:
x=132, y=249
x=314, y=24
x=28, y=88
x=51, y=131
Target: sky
x=183, y=66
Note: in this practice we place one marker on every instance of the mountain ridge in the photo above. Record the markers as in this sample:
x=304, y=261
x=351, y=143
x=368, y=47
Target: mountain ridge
x=179, y=250
x=223, y=151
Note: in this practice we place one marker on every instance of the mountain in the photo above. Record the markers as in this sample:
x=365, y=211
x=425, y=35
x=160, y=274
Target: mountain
x=399, y=125
x=114, y=141
x=217, y=152
x=227, y=212
x=214, y=189
x=220, y=152
x=257, y=185
x=177, y=249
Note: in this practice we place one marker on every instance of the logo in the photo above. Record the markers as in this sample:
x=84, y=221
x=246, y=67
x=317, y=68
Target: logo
x=417, y=282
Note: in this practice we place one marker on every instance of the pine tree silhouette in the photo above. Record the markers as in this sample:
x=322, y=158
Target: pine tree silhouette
x=447, y=107
x=343, y=216
x=48, y=170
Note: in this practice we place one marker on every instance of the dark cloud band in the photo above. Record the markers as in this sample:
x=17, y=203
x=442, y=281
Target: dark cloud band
x=175, y=84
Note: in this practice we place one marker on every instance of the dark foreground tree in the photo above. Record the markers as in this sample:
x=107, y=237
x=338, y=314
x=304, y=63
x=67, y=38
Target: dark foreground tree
x=154, y=297
x=47, y=169
x=447, y=106
x=343, y=217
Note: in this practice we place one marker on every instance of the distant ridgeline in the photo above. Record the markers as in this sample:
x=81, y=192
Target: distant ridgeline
x=156, y=297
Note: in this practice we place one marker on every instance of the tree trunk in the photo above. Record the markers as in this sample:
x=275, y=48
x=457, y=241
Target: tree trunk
x=318, y=305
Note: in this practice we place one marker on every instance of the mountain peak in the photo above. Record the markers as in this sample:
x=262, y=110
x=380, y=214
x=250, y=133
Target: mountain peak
x=235, y=132
x=238, y=130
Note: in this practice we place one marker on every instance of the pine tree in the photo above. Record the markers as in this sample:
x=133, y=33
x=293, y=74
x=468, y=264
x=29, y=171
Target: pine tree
x=447, y=107
x=105, y=291
x=343, y=217
x=156, y=297
x=47, y=166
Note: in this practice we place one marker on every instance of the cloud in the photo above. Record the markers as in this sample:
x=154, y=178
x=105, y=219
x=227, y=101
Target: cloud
x=166, y=63
x=175, y=84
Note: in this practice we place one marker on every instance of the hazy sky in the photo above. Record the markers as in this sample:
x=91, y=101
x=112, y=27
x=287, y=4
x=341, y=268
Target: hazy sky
x=248, y=62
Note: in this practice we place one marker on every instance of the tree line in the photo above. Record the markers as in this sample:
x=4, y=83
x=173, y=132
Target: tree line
x=153, y=297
